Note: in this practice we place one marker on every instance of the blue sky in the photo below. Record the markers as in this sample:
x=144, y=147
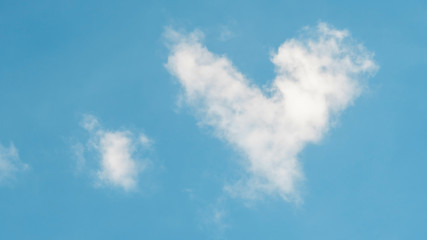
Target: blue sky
x=101, y=136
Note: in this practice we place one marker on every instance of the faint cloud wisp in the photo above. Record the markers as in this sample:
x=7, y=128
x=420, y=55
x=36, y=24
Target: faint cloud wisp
x=10, y=164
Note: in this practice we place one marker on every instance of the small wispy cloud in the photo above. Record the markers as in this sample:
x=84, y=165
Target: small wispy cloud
x=319, y=74
x=117, y=154
x=214, y=219
x=10, y=164
x=225, y=33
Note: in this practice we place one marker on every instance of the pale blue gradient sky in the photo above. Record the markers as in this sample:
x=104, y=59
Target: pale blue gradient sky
x=62, y=59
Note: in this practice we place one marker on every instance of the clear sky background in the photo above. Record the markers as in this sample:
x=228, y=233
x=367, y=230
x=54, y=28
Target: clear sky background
x=62, y=61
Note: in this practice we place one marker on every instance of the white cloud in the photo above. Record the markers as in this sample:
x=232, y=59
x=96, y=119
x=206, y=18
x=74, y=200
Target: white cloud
x=119, y=165
x=319, y=74
x=10, y=165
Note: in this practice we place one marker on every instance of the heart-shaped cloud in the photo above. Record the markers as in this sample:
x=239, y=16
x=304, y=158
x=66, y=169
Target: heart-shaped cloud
x=318, y=75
